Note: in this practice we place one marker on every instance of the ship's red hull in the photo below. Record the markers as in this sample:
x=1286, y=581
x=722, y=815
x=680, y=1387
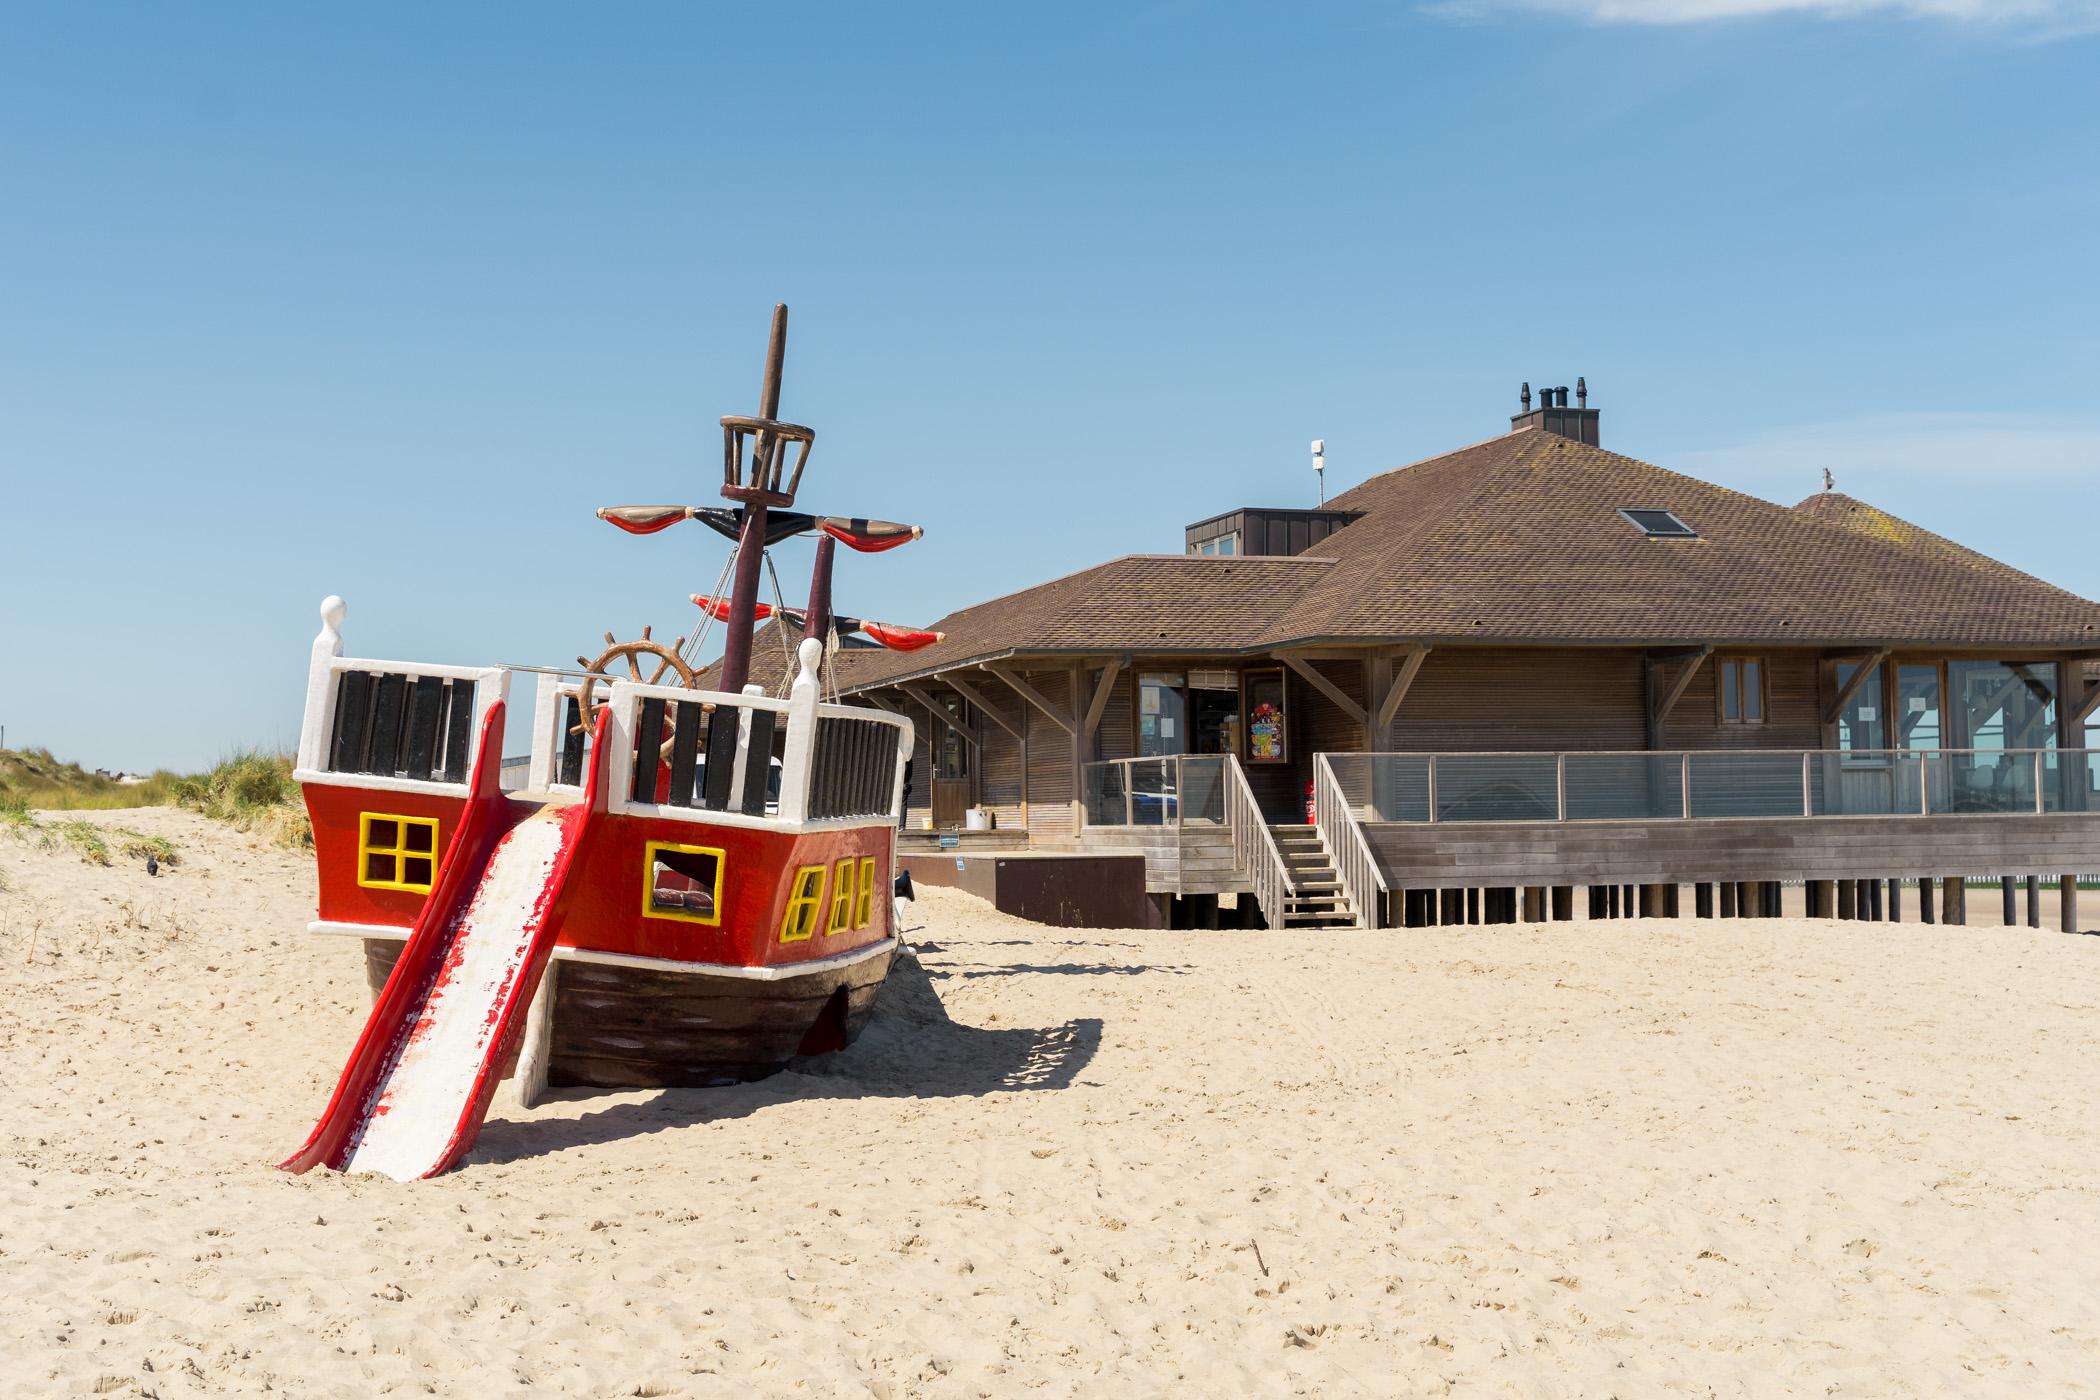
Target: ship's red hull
x=641, y=996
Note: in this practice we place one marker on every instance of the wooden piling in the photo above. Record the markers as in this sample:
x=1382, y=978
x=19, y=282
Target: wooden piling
x=1954, y=900
x=2067, y=902
x=1925, y=915
x=2012, y=908
x=2034, y=901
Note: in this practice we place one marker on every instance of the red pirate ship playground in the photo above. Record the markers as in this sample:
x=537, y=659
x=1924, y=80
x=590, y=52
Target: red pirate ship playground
x=686, y=887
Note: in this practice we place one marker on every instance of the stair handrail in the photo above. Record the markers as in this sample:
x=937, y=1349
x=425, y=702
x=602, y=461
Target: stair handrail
x=1342, y=836
x=1258, y=857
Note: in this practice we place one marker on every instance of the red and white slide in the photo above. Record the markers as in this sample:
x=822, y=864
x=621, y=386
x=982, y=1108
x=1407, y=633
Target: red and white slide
x=412, y=1098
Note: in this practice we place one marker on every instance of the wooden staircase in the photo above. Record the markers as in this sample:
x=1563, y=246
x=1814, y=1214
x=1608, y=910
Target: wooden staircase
x=1315, y=899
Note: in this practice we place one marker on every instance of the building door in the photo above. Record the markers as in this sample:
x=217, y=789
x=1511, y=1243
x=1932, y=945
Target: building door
x=951, y=770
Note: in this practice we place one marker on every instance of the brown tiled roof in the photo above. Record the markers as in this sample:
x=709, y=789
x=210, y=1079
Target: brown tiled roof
x=1519, y=539
x=1142, y=602
x=1840, y=509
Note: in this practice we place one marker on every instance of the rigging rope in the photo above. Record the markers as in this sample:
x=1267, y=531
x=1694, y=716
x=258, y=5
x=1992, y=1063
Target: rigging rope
x=787, y=652
x=697, y=638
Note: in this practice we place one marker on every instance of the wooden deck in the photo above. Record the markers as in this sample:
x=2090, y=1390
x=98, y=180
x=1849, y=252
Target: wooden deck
x=1460, y=855
x=1184, y=858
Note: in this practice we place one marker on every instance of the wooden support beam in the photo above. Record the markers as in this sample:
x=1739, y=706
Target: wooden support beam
x=1103, y=688
x=2081, y=712
x=1852, y=687
x=1325, y=686
x=940, y=712
x=881, y=704
x=1061, y=718
x=984, y=706
x=1666, y=700
x=1389, y=705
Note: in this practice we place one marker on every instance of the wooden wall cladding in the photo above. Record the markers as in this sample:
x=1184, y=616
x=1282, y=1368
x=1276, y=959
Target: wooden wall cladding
x=1488, y=699
x=1464, y=855
x=1794, y=720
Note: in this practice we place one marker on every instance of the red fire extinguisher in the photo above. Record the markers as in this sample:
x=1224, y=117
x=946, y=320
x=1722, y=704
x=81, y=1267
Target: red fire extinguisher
x=1312, y=817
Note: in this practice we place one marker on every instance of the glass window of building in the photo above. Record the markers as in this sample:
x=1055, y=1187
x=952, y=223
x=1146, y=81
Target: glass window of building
x=1742, y=690
x=2002, y=705
x=1162, y=714
x=1918, y=724
x=1861, y=724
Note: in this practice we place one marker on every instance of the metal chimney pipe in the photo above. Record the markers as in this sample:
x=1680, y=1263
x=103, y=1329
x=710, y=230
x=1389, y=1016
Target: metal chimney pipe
x=1582, y=393
x=1524, y=396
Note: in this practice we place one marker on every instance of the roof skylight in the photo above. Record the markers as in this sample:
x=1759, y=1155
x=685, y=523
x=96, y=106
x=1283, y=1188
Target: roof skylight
x=1659, y=524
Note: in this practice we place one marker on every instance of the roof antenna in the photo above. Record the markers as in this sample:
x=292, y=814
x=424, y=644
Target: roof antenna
x=1320, y=466
x=1829, y=483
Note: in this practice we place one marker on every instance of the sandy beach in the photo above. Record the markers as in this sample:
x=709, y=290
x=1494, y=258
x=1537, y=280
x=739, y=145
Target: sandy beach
x=1627, y=1159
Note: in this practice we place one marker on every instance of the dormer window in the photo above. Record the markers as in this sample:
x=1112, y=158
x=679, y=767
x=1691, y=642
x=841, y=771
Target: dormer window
x=1658, y=524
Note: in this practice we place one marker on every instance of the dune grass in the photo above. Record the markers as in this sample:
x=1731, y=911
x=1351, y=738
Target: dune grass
x=93, y=844
x=253, y=791
x=42, y=783
x=250, y=790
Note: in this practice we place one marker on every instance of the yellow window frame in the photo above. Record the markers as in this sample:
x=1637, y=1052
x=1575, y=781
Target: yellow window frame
x=649, y=909
x=397, y=853
x=843, y=887
x=864, y=905
x=804, y=897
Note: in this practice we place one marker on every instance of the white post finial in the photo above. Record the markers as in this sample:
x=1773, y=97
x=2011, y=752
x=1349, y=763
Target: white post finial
x=800, y=749
x=320, y=686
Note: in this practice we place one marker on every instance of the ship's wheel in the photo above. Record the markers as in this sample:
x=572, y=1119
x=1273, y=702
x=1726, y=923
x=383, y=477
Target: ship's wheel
x=646, y=661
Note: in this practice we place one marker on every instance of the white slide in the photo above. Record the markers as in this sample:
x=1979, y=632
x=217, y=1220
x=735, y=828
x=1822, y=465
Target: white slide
x=444, y=1056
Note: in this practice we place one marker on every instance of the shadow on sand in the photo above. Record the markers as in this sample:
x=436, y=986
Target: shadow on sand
x=910, y=1048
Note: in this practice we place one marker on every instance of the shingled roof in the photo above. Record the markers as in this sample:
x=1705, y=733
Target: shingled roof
x=1876, y=523
x=1519, y=539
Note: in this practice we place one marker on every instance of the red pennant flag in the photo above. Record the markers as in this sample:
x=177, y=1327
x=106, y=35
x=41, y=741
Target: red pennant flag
x=644, y=520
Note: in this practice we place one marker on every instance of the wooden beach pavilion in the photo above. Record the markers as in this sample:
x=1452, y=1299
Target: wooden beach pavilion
x=1527, y=678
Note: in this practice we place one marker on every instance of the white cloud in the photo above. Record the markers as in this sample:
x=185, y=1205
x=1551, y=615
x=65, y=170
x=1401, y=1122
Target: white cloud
x=1867, y=454
x=2031, y=17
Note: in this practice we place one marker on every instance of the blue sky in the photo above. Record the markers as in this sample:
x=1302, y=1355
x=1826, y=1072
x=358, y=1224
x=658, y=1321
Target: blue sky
x=385, y=300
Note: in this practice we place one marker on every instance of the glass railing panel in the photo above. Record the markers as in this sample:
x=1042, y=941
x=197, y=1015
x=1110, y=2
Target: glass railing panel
x=1496, y=788
x=1390, y=787
x=1625, y=786
x=1105, y=795
x=1982, y=782
x=2071, y=780
x=1203, y=788
x=1745, y=784
x=1352, y=774
x=1864, y=784
x=1153, y=796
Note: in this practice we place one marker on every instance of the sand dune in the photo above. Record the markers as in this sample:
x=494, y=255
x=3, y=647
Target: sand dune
x=1628, y=1159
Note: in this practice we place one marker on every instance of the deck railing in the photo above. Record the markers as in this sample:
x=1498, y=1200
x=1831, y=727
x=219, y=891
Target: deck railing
x=1254, y=849
x=1182, y=790
x=1688, y=785
x=1341, y=832
x=1164, y=791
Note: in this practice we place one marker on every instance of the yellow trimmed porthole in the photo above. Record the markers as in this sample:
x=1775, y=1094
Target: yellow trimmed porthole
x=804, y=897
x=682, y=882
x=842, y=885
x=396, y=853
x=864, y=907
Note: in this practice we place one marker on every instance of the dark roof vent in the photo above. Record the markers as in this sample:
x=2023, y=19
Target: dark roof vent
x=1553, y=415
